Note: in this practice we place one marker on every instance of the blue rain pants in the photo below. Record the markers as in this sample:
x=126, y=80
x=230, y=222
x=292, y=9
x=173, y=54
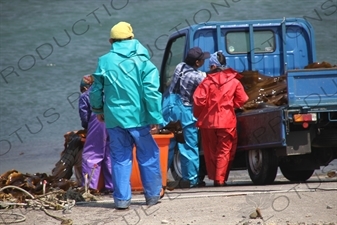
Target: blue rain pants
x=147, y=153
x=173, y=110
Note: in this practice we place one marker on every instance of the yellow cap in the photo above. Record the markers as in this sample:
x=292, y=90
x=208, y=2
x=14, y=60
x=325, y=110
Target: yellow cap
x=121, y=30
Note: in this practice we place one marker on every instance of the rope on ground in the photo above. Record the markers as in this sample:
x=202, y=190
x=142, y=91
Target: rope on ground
x=16, y=220
x=15, y=187
x=63, y=221
x=38, y=202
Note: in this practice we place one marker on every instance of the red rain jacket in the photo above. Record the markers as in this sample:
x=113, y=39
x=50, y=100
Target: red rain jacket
x=216, y=97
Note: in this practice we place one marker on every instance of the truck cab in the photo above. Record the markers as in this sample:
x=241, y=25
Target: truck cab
x=299, y=136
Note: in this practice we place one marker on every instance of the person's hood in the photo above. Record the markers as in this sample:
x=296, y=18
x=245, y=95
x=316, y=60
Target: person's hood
x=129, y=48
x=224, y=76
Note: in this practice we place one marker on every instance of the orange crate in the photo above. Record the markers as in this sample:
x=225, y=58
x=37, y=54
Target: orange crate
x=163, y=142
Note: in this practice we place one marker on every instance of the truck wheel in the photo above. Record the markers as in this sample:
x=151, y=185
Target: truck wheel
x=176, y=167
x=262, y=165
x=296, y=175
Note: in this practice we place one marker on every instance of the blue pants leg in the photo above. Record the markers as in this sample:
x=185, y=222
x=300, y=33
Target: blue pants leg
x=121, y=144
x=189, y=151
x=190, y=154
x=147, y=153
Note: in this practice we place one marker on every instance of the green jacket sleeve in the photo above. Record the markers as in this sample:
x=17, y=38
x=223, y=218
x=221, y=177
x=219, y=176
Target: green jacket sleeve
x=151, y=94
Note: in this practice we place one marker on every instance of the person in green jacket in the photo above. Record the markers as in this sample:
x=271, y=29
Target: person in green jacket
x=125, y=95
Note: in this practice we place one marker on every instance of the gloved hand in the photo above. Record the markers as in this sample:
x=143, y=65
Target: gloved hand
x=154, y=129
x=100, y=117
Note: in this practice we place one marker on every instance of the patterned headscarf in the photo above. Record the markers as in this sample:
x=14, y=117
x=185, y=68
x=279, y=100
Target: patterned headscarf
x=214, y=60
x=86, y=82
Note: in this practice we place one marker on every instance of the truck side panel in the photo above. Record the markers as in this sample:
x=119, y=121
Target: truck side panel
x=312, y=88
x=261, y=128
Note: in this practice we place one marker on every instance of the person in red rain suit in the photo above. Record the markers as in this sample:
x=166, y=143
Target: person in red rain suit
x=215, y=100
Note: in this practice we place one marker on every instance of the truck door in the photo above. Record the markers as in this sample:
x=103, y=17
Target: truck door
x=173, y=55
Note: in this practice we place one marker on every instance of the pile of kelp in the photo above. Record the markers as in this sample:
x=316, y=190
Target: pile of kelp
x=264, y=91
x=71, y=156
x=35, y=184
x=18, y=187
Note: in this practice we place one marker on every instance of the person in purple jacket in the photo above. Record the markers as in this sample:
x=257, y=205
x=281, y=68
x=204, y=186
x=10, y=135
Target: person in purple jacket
x=96, y=151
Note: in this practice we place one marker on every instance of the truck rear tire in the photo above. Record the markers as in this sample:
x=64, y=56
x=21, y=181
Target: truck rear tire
x=262, y=166
x=176, y=167
x=296, y=175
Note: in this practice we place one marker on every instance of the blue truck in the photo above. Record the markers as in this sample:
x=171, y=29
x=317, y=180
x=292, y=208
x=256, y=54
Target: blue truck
x=297, y=137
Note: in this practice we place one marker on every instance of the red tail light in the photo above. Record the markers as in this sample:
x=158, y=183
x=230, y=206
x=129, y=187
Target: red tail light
x=309, y=117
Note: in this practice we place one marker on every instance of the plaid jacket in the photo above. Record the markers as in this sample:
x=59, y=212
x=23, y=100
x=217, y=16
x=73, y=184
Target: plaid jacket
x=190, y=79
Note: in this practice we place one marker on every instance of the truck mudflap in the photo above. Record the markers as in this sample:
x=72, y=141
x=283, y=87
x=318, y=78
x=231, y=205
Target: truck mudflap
x=312, y=88
x=261, y=128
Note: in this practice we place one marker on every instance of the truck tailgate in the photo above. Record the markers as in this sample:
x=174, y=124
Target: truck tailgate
x=312, y=88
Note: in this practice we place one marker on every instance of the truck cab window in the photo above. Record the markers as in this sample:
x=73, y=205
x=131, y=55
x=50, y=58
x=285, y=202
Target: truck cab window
x=174, y=54
x=238, y=42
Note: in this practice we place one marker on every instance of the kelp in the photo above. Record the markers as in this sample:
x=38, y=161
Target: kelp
x=264, y=91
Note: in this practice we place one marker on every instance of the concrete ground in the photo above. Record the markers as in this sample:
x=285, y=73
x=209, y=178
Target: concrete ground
x=314, y=202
